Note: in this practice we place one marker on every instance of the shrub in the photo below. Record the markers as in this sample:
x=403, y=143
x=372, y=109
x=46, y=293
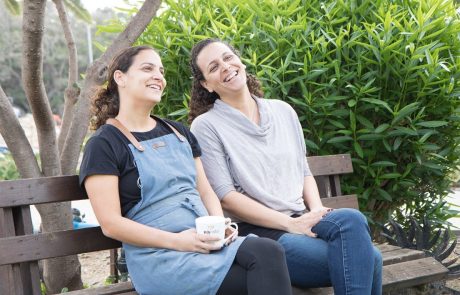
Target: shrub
x=8, y=170
x=375, y=78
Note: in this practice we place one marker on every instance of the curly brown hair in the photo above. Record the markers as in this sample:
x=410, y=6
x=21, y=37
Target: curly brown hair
x=106, y=101
x=202, y=100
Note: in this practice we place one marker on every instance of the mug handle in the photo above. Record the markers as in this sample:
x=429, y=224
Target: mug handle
x=233, y=235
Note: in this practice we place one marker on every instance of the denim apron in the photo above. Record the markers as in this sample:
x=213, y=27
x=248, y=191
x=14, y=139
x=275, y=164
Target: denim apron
x=170, y=202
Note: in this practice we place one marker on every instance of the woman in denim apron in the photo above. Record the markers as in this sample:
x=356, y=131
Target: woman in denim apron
x=164, y=253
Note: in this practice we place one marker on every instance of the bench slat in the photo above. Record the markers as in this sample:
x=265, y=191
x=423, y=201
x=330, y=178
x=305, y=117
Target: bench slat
x=40, y=191
x=412, y=273
x=348, y=201
x=330, y=165
x=123, y=288
x=401, y=255
x=56, y=244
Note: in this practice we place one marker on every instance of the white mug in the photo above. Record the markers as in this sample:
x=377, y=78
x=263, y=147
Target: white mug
x=215, y=226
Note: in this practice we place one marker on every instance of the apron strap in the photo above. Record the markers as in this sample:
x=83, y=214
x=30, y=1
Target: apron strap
x=114, y=122
x=179, y=136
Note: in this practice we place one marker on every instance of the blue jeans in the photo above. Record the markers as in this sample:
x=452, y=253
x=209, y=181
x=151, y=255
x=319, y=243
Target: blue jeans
x=342, y=256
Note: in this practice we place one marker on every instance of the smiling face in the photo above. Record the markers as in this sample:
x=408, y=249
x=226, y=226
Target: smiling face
x=144, y=81
x=223, y=71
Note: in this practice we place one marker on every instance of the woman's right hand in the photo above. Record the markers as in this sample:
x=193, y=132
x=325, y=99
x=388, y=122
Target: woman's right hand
x=303, y=224
x=190, y=241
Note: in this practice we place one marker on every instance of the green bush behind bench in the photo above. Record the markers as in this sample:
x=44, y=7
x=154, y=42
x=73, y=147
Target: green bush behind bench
x=377, y=78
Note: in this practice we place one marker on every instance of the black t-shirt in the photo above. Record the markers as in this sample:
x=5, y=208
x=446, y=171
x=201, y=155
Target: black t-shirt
x=107, y=153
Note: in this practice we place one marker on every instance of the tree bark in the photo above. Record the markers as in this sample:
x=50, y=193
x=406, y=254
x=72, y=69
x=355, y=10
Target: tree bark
x=16, y=140
x=72, y=91
x=65, y=271
x=96, y=75
x=32, y=78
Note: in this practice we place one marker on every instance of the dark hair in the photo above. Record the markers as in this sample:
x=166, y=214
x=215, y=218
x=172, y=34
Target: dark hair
x=106, y=101
x=202, y=100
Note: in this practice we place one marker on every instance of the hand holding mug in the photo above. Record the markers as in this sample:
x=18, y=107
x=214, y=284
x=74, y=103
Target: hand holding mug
x=219, y=227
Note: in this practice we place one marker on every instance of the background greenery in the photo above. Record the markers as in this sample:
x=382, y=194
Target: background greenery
x=377, y=79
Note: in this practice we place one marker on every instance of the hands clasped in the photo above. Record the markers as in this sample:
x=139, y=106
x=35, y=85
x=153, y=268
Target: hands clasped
x=303, y=224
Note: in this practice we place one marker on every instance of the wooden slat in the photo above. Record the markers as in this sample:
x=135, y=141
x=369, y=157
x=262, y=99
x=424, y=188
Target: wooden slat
x=9, y=274
x=387, y=247
x=124, y=288
x=330, y=165
x=56, y=244
x=30, y=275
x=401, y=255
x=324, y=186
x=348, y=201
x=313, y=291
x=412, y=273
x=40, y=190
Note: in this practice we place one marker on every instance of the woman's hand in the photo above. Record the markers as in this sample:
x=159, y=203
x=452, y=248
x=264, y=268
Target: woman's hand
x=230, y=235
x=303, y=224
x=190, y=241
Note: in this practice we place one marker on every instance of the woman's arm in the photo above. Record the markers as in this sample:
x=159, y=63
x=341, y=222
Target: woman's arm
x=104, y=196
x=311, y=194
x=253, y=212
x=209, y=198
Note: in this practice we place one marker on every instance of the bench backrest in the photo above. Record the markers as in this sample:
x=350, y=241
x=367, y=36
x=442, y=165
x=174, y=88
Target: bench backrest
x=20, y=249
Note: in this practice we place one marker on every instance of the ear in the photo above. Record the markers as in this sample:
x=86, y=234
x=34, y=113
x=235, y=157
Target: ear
x=119, y=78
x=205, y=85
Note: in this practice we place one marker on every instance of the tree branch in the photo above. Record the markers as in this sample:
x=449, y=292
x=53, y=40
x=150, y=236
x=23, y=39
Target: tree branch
x=16, y=139
x=71, y=92
x=96, y=75
x=32, y=77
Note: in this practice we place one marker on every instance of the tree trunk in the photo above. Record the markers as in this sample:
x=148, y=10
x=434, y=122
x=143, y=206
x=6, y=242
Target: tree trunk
x=59, y=272
x=72, y=91
x=96, y=75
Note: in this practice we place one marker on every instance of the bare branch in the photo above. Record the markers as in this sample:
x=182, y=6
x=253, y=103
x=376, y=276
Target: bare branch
x=16, y=139
x=72, y=91
x=32, y=77
x=96, y=75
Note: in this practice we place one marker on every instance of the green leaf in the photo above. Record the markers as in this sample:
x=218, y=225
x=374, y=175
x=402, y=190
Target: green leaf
x=383, y=164
x=390, y=176
x=378, y=102
x=339, y=139
x=358, y=149
x=384, y=194
x=382, y=128
x=405, y=111
x=432, y=124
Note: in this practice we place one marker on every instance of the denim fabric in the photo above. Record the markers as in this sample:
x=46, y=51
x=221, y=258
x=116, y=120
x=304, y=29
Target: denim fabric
x=170, y=202
x=342, y=255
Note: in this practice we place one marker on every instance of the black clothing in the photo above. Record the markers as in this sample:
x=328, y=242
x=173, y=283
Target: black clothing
x=107, y=153
x=257, y=270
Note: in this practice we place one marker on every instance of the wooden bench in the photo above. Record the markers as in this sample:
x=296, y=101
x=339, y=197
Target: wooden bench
x=20, y=249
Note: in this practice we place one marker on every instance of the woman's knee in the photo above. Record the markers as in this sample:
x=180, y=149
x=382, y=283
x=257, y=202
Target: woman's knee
x=378, y=260
x=349, y=216
x=263, y=248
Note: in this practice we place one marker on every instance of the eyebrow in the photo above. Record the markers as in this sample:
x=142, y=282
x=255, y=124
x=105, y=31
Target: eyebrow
x=151, y=64
x=214, y=60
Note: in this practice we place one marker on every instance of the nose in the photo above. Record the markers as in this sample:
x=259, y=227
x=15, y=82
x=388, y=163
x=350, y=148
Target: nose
x=225, y=66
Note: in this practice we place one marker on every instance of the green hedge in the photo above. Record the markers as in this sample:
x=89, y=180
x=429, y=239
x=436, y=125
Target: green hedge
x=377, y=79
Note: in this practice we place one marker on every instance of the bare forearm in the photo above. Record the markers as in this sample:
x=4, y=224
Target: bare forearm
x=131, y=232
x=311, y=194
x=212, y=204
x=253, y=212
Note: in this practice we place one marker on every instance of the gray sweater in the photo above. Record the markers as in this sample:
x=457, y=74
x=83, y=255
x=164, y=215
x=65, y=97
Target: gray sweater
x=266, y=162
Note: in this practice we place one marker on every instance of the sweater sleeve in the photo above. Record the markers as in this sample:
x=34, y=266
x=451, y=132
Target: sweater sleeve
x=298, y=127
x=214, y=158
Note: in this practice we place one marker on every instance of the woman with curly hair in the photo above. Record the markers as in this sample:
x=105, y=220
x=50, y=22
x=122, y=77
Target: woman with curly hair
x=146, y=184
x=254, y=156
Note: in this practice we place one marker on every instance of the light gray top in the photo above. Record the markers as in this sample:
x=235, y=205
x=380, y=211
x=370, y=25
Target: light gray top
x=266, y=162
